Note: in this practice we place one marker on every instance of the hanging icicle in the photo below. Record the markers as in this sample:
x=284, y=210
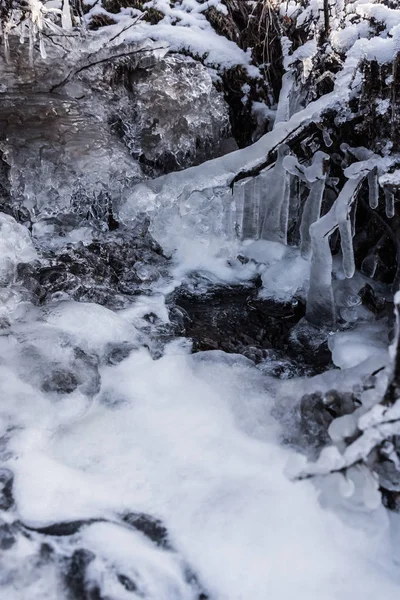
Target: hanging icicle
x=276, y=201
x=34, y=18
x=320, y=304
x=346, y=242
x=66, y=20
x=373, y=188
x=389, y=203
x=315, y=177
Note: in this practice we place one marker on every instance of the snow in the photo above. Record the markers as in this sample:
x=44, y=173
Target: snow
x=185, y=28
x=361, y=343
x=215, y=50
x=93, y=326
x=201, y=452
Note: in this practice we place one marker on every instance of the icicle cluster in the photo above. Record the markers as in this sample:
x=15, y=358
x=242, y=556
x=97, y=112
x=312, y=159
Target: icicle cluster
x=315, y=177
x=31, y=19
x=266, y=206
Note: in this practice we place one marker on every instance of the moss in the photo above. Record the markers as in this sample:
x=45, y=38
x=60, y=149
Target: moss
x=254, y=27
x=242, y=120
x=98, y=21
x=151, y=15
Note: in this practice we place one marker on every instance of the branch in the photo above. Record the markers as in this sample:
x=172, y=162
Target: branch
x=98, y=62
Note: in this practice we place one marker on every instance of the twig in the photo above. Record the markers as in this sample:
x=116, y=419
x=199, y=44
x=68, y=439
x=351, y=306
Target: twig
x=98, y=62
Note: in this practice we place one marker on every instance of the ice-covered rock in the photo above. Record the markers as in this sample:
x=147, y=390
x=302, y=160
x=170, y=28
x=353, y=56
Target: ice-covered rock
x=15, y=247
x=175, y=117
x=73, y=135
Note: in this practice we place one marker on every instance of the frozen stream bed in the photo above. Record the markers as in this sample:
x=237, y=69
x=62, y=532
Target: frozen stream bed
x=133, y=468
x=161, y=389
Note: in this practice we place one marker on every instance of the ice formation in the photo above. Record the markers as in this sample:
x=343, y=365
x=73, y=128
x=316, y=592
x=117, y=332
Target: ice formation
x=139, y=469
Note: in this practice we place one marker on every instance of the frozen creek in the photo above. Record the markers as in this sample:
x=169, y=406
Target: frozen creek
x=131, y=466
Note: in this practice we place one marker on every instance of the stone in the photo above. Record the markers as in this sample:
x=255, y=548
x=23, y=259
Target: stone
x=6, y=482
x=180, y=117
x=7, y=537
x=151, y=527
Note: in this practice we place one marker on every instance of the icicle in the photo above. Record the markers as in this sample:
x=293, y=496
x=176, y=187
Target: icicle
x=238, y=196
x=369, y=265
x=315, y=175
x=389, y=203
x=251, y=209
x=6, y=33
x=22, y=34
x=276, y=208
x=42, y=49
x=373, y=188
x=6, y=47
x=353, y=213
x=311, y=213
x=320, y=308
x=327, y=138
x=66, y=21
x=283, y=110
x=32, y=36
x=346, y=241
x=320, y=303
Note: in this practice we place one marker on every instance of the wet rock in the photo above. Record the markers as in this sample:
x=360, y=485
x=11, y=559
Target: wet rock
x=387, y=465
x=316, y=413
x=234, y=319
x=152, y=528
x=178, y=115
x=7, y=536
x=46, y=553
x=340, y=403
x=6, y=483
x=64, y=528
x=116, y=353
x=75, y=577
x=127, y=583
x=311, y=343
x=315, y=419
x=60, y=381
x=61, y=371
x=372, y=300
x=109, y=270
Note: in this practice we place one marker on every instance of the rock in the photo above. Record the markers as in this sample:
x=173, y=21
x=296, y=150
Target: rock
x=373, y=301
x=315, y=419
x=234, y=319
x=7, y=537
x=61, y=381
x=387, y=463
x=180, y=117
x=128, y=584
x=55, y=364
x=151, y=527
x=109, y=270
x=6, y=482
x=75, y=577
x=64, y=528
x=116, y=353
x=316, y=413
